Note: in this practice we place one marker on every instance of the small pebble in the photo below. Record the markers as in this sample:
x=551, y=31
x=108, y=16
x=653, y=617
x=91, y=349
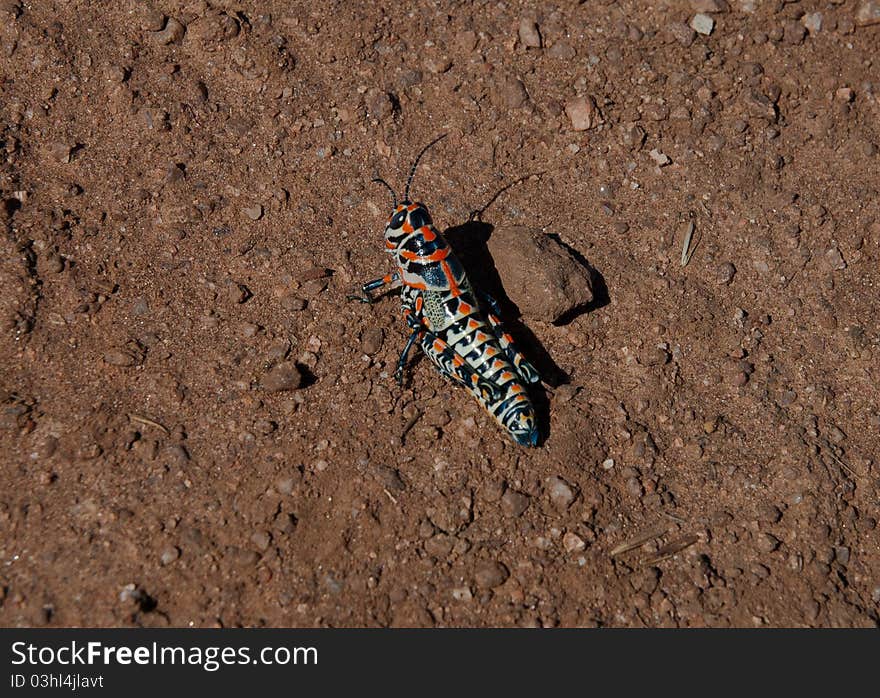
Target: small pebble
x=702, y=24
x=540, y=274
x=265, y=426
x=249, y=330
x=55, y=263
x=490, y=574
x=172, y=33
x=513, y=93
x=514, y=503
x=178, y=455
x=371, y=340
x=493, y=490
x=151, y=19
x=572, y=543
x=654, y=356
x=724, y=273
x=634, y=487
x=261, y=539
x=813, y=22
x=562, y=50
x=467, y=40
x=439, y=545
x=565, y=392
x=60, y=151
x=285, y=376
x=529, y=34
x=390, y=478
x=290, y=301
x=561, y=493
x=740, y=379
x=682, y=33
x=836, y=435
x=285, y=485
x=253, y=212
x=437, y=64
x=720, y=518
x=793, y=33
x=169, y=555
x=767, y=543
x=238, y=293
x=140, y=307
x=769, y=513
x=834, y=259
x=693, y=451
x=660, y=159
x=583, y=113
x=633, y=136
x=116, y=357
x=868, y=13
x=462, y=594
x=707, y=6
x=380, y=105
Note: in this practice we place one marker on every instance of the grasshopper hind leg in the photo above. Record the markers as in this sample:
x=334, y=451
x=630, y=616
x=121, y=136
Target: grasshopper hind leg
x=527, y=372
x=454, y=365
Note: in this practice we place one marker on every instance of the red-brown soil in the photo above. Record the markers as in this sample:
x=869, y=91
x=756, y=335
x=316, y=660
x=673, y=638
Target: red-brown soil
x=179, y=218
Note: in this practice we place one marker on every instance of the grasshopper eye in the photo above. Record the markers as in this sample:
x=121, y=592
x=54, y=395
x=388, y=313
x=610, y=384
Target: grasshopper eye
x=419, y=218
x=398, y=220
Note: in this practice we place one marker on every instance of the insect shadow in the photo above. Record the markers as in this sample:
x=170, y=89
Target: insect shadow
x=469, y=241
x=307, y=377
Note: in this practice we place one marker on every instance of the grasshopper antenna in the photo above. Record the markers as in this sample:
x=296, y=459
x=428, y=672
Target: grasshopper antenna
x=379, y=180
x=477, y=214
x=412, y=172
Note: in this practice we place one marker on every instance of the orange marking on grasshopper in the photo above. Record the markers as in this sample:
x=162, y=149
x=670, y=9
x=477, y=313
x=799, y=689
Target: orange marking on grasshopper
x=453, y=284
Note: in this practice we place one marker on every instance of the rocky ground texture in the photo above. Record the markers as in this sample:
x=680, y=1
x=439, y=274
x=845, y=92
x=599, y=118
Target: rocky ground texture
x=198, y=429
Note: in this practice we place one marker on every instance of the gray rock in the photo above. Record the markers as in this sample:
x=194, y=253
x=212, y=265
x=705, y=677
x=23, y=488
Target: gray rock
x=813, y=22
x=702, y=24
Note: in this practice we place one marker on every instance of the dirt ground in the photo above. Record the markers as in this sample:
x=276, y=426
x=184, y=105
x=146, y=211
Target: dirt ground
x=186, y=204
